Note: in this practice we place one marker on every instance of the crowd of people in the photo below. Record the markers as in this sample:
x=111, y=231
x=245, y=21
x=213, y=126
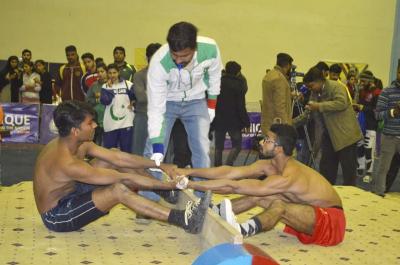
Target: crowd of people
x=185, y=91
x=340, y=119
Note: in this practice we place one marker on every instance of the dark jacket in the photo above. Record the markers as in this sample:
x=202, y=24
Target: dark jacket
x=15, y=83
x=46, y=93
x=69, y=82
x=231, y=110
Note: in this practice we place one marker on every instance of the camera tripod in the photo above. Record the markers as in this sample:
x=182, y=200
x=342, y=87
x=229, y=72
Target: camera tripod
x=301, y=112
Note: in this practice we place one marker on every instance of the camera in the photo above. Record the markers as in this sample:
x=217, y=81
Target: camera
x=294, y=73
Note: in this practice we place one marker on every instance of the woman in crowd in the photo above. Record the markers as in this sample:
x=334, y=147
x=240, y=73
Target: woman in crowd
x=31, y=84
x=11, y=75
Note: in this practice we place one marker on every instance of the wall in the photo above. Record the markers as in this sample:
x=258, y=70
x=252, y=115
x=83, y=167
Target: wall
x=251, y=32
x=395, y=63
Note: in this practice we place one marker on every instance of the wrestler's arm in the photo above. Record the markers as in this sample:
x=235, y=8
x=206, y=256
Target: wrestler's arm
x=122, y=159
x=255, y=170
x=81, y=171
x=272, y=185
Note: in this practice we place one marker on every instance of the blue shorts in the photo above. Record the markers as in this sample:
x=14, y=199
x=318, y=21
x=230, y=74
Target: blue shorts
x=73, y=211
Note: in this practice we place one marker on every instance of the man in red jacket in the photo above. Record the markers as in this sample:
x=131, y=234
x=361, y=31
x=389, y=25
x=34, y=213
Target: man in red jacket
x=70, y=74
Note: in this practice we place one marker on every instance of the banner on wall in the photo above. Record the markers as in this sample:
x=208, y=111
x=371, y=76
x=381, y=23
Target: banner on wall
x=20, y=123
x=255, y=123
x=48, y=130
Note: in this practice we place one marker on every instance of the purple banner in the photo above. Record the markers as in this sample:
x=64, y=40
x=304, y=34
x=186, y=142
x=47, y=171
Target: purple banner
x=255, y=123
x=48, y=130
x=20, y=123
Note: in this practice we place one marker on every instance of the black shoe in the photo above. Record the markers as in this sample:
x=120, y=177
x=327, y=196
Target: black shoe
x=195, y=214
x=170, y=196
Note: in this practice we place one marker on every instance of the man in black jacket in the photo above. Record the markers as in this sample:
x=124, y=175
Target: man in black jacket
x=231, y=114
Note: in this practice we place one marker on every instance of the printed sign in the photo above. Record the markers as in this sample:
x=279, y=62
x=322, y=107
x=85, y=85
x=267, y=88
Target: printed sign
x=20, y=123
x=48, y=130
x=247, y=138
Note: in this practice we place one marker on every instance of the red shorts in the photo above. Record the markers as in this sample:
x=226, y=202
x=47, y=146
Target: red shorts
x=330, y=225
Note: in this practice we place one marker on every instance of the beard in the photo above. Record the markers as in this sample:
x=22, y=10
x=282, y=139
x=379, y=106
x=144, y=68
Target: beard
x=266, y=155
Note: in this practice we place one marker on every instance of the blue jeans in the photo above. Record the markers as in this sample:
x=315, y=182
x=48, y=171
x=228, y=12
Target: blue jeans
x=195, y=118
x=139, y=133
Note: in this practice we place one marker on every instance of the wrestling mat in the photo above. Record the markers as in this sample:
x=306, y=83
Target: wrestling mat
x=373, y=236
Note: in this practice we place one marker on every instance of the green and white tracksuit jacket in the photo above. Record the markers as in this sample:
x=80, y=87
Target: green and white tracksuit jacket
x=166, y=82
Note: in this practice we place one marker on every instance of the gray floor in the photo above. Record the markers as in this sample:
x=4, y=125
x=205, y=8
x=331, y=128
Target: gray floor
x=17, y=164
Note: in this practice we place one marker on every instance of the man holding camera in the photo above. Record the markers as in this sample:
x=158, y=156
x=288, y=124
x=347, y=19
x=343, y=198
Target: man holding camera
x=277, y=98
x=388, y=110
x=341, y=131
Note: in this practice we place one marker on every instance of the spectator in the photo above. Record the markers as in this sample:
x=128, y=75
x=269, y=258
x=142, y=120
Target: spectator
x=351, y=85
x=388, y=110
x=10, y=74
x=324, y=68
x=231, y=114
x=31, y=84
x=47, y=91
x=26, y=56
x=368, y=97
x=93, y=98
x=91, y=74
x=140, y=122
x=126, y=71
x=334, y=72
x=117, y=95
x=70, y=75
x=341, y=130
x=277, y=100
x=99, y=60
x=393, y=170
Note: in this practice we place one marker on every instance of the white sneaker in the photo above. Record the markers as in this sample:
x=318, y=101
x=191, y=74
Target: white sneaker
x=367, y=179
x=228, y=215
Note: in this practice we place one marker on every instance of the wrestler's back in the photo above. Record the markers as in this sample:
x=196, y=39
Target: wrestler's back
x=50, y=183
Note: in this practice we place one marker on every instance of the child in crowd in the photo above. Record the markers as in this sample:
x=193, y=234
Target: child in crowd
x=93, y=98
x=117, y=95
x=31, y=84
